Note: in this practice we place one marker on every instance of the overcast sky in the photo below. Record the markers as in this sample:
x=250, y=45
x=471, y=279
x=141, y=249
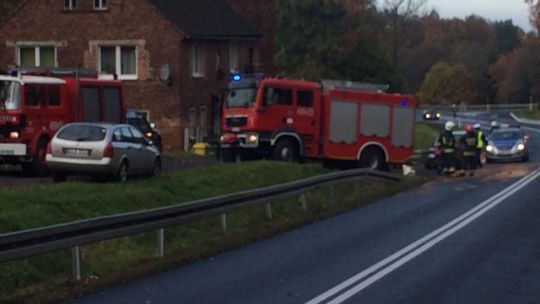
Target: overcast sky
x=490, y=9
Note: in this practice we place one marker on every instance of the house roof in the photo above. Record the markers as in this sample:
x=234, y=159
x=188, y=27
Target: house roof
x=207, y=19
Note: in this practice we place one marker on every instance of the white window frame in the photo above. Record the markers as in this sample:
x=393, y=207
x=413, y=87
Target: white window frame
x=118, y=62
x=234, y=57
x=37, y=52
x=71, y=5
x=101, y=5
x=197, y=61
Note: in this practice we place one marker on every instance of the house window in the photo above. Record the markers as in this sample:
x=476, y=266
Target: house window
x=100, y=4
x=197, y=64
x=234, y=53
x=70, y=5
x=118, y=60
x=36, y=56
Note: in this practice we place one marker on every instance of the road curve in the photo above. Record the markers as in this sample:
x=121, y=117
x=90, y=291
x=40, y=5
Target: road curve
x=462, y=240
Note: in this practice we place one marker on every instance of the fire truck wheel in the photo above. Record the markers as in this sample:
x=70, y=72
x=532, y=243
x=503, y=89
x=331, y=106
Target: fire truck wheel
x=286, y=150
x=38, y=167
x=373, y=158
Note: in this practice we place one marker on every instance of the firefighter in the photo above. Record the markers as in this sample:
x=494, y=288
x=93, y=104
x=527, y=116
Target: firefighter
x=469, y=143
x=446, y=142
x=481, y=144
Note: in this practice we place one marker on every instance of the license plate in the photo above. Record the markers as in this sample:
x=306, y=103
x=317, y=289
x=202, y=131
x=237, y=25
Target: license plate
x=77, y=152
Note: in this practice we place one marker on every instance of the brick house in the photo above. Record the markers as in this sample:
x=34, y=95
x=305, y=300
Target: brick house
x=174, y=56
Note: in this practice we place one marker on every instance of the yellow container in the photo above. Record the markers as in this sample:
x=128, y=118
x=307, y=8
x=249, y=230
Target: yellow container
x=200, y=148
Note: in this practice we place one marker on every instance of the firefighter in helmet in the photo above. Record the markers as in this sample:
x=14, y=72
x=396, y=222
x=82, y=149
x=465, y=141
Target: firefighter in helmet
x=481, y=143
x=446, y=142
x=469, y=143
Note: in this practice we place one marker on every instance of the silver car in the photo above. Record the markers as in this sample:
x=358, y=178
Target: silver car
x=100, y=149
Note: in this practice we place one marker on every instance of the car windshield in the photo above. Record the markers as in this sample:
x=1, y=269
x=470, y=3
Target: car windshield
x=82, y=133
x=241, y=98
x=506, y=135
x=9, y=95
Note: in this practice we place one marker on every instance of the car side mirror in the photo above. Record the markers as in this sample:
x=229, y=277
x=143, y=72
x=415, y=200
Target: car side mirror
x=526, y=136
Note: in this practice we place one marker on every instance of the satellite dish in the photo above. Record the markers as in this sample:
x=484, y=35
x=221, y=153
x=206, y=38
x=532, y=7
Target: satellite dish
x=165, y=73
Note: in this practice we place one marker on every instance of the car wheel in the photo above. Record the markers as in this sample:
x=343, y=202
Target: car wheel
x=156, y=169
x=58, y=177
x=122, y=174
x=286, y=150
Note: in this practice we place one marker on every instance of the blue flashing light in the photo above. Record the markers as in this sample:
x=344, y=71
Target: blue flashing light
x=236, y=77
x=404, y=102
x=13, y=72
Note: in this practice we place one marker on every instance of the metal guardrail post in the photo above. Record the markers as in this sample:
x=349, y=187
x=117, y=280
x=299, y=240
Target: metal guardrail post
x=160, y=249
x=356, y=188
x=269, y=211
x=224, y=222
x=303, y=202
x=332, y=195
x=76, y=262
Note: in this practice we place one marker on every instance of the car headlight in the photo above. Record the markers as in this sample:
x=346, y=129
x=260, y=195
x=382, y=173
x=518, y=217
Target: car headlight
x=521, y=147
x=428, y=115
x=489, y=148
x=438, y=115
x=252, y=138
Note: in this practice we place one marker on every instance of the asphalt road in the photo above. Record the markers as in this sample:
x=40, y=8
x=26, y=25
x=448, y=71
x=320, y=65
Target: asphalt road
x=453, y=240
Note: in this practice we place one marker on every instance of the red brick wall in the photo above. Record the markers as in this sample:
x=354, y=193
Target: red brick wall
x=157, y=39
x=262, y=13
x=199, y=91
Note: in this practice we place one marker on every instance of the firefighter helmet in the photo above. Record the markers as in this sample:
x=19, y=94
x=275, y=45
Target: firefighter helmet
x=449, y=125
x=476, y=126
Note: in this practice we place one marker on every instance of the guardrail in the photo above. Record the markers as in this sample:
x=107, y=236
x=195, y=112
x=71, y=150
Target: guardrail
x=483, y=107
x=21, y=244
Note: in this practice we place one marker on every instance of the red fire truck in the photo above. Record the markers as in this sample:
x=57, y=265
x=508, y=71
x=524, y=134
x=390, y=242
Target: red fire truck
x=33, y=108
x=337, y=120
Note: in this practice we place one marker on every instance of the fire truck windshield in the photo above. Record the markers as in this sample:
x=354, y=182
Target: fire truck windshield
x=241, y=98
x=9, y=95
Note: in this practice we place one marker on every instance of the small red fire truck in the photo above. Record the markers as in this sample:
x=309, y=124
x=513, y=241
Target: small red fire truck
x=336, y=120
x=33, y=108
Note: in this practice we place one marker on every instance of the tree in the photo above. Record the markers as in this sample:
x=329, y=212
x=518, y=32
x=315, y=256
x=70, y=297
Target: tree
x=534, y=13
x=516, y=74
x=448, y=83
x=398, y=10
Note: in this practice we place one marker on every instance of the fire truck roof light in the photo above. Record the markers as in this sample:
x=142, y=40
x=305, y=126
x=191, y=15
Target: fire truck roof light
x=404, y=102
x=236, y=77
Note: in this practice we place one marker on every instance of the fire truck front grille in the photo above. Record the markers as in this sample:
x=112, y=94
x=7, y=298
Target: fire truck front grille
x=5, y=130
x=236, y=121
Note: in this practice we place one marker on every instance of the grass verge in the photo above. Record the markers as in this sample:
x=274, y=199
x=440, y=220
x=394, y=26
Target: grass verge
x=46, y=278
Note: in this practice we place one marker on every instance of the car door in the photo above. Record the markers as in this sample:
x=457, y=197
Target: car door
x=130, y=150
x=143, y=151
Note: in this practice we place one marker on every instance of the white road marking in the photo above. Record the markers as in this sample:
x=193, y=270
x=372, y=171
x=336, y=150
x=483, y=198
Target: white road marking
x=416, y=248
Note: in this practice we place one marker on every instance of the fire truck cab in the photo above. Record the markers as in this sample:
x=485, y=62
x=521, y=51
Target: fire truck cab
x=33, y=108
x=292, y=119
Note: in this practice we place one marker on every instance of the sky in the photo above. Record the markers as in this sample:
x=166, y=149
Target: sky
x=490, y=9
